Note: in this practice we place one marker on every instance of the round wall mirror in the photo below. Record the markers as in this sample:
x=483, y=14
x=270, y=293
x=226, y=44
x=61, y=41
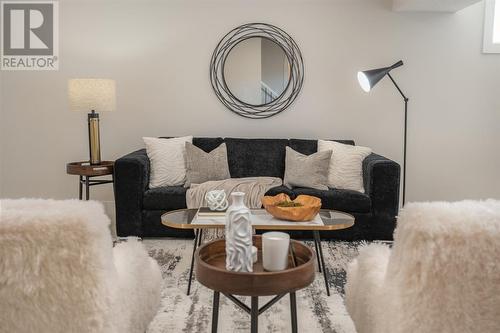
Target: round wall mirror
x=257, y=71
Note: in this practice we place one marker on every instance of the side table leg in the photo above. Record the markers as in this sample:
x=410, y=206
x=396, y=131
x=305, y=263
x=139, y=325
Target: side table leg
x=80, y=188
x=215, y=311
x=196, y=237
x=87, y=187
x=325, y=269
x=293, y=311
x=254, y=314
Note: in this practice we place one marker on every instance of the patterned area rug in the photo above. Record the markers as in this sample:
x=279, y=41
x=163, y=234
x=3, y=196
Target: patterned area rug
x=181, y=313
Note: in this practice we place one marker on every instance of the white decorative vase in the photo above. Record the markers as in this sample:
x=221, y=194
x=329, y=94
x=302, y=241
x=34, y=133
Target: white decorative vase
x=238, y=235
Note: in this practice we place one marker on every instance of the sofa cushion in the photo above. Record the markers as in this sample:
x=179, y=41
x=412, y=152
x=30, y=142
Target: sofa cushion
x=168, y=160
x=165, y=198
x=256, y=157
x=207, y=144
x=304, y=146
x=308, y=146
x=344, y=200
x=345, y=170
x=202, y=166
x=307, y=170
x=280, y=189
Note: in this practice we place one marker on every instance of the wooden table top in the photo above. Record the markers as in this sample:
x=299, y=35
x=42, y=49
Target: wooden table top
x=84, y=168
x=211, y=271
x=332, y=220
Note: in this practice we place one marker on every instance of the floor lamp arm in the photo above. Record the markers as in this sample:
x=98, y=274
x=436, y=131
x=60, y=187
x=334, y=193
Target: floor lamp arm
x=404, y=142
x=397, y=87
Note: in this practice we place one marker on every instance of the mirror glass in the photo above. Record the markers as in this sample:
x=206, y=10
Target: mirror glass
x=257, y=71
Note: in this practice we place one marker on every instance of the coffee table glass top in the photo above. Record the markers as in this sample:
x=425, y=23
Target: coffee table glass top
x=332, y=220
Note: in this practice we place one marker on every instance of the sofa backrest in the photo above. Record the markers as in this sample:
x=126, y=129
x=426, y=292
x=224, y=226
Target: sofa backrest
x=259, y=157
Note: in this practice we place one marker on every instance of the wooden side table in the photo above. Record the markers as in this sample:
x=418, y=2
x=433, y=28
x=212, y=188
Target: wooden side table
x=211, y=272
x=86, y=171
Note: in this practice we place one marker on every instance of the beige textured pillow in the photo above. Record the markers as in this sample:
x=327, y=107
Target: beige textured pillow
x=346, y=165
x=168, y=161
x=203, y=167
x=307, y=171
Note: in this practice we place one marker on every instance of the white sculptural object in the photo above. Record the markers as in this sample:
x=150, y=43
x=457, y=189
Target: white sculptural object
x=238, y=235
x=216, y=200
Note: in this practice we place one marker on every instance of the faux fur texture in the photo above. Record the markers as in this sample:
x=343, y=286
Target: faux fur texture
x=59, y=272
x=442, y=274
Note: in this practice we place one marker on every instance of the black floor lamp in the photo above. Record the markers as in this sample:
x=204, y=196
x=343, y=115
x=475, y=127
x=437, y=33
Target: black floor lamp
x=367, y=80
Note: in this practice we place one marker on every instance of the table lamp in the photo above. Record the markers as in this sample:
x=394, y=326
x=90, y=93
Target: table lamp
x=367, y=80
x=92, y=95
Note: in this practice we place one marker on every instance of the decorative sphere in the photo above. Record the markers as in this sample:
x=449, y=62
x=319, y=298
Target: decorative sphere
x=216, y=200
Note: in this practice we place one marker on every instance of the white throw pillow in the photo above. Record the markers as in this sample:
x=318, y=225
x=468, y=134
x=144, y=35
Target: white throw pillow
x=346, y=165
x=168, y=160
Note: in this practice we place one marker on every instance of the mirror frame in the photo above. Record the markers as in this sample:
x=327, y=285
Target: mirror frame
x=292, y=53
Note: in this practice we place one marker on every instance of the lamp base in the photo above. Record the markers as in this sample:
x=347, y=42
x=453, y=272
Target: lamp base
x=94, y=138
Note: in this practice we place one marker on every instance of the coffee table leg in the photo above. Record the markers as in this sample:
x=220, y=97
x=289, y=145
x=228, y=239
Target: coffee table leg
x=200, y=237
x=215, y=311
x=293, y=311
x=196, y=237
x=325, y=269
x=254, y=315
x=317, y=253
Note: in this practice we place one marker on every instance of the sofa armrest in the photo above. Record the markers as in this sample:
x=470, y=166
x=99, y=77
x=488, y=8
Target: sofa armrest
x=131, y=175
x=381, y=180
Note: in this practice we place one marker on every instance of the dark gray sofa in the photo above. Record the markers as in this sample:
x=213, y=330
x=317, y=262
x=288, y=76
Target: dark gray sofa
x=139, y=208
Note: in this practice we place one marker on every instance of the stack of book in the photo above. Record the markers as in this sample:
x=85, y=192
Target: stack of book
x=206, y=212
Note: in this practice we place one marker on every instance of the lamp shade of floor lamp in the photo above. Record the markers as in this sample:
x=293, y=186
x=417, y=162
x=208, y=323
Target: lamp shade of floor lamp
x=367, y=80
x=93, y=96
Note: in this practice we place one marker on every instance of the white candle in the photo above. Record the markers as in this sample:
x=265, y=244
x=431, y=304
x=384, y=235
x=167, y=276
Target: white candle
x=254, y=254
x=275, y=251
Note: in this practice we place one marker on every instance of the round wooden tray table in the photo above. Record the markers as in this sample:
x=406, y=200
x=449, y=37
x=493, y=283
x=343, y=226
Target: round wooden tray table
x=211, y=272
x=87, y=172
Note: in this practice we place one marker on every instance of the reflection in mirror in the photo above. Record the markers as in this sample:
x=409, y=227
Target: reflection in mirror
x=257, y=71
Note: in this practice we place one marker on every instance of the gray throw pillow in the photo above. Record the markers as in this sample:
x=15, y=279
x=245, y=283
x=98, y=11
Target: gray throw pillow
x=307, y=171
x=202, y=167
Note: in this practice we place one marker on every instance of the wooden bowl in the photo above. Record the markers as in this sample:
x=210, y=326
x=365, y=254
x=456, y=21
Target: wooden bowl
x=310, y=207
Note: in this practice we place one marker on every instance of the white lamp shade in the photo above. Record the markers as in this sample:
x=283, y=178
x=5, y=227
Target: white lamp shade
x=364, y=82
x=92, y=94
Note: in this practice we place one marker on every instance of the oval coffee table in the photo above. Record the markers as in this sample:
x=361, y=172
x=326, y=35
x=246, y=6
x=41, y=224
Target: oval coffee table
x=211, y=272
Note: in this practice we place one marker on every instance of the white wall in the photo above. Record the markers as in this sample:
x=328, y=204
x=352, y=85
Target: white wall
x=159, y=52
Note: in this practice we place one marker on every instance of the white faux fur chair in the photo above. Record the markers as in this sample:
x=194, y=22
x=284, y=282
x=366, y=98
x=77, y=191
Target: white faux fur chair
x=442, y=274
x=60, y=273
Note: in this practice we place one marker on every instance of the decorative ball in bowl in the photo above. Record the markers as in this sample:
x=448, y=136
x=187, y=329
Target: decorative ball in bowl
x=302, y=208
